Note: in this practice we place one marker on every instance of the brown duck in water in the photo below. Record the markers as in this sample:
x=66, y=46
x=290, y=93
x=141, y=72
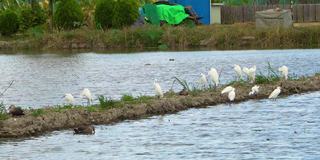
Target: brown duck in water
x=15, y=111
x=84, y=130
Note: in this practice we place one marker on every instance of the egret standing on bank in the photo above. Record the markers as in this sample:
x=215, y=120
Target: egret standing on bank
x=254, y=90
x=69, y=99
x=227, y=90
x=214, y=76
x=238, y=71
x=275, y=93
x=252, y=73
x=203, y=80
x=232, y=95
x=158, y=89
x=86, y=94
x=284, y=70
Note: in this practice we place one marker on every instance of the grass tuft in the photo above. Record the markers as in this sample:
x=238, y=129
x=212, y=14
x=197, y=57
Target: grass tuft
x=38, y=112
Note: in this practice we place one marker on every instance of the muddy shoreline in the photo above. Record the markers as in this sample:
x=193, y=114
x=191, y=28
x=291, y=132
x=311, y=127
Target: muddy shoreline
x=29, y=125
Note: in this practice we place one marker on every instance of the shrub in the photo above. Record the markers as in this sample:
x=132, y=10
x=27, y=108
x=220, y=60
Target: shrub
x=126, y=13
x=31, y=17
x=68, y=15
x=104, y=13
x=9, y=23
x=116, y=14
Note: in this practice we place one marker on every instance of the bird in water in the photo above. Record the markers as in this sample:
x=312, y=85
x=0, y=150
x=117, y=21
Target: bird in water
x=88, y=129
x=69, y=99
x=15, y=111
x=86, y=94
x=232, y=95
x=214, y=76
x=203, y=80
x=284, y=70
x=275, y=93
x=254, y=90
x=238, y=71
x=158, y=89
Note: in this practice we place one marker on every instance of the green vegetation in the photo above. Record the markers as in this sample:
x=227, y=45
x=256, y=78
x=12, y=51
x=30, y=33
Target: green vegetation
x=68, y=15
x=37, y=112
x=116, y=14
x=126, y=12
x=103, y=13
x=9, y=22
x=271, y=77
x=31, y=17
x=3, y=112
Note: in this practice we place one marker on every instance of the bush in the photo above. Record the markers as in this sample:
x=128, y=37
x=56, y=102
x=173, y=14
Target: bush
x=116, y=14
x=31, y=17
x=9, y=23
x=68, y=15
x=126, y=13
x=104, y=13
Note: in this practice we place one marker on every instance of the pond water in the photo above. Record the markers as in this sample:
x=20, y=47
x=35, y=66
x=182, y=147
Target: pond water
x=42, y=79
x=287, y=128
x=284, y=129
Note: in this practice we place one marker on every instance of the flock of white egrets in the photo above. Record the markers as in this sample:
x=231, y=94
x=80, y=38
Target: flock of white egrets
x=231, y=91
x=214, y=78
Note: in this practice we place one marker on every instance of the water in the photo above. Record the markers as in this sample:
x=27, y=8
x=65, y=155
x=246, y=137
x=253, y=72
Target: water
x=283, y=129
x=42, y=79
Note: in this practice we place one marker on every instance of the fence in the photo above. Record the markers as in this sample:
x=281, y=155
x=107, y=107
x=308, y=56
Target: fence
x=240, y=14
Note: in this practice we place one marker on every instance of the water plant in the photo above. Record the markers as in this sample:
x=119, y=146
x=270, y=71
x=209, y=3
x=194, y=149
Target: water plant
x=182, y=82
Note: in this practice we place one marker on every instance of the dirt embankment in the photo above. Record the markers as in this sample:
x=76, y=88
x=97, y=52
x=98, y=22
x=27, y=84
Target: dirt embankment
x=29, y=125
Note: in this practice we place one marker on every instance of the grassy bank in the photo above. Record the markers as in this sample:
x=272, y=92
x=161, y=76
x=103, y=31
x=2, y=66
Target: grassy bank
x=219, y=37
x=39, y=121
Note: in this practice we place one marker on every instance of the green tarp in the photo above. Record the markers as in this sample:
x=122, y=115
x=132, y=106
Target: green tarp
x=171, y=14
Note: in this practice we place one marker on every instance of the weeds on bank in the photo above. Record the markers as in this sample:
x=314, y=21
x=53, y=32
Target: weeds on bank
x=37, y=112
x=3, y=112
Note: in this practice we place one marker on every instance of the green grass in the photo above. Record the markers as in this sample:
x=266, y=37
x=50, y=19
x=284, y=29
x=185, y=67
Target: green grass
x=127, y=98
x=3, y=112
x=37, y=112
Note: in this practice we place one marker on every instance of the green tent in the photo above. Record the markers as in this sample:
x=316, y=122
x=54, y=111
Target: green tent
x=171, y=14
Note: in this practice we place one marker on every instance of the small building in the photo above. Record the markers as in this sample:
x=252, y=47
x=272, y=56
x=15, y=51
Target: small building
x=201, y=7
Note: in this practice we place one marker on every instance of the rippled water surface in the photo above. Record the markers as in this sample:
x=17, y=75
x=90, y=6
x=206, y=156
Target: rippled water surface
x=283, y=129
x=42, y=79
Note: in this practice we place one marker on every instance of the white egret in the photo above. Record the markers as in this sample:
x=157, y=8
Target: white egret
x=232, y=95
x=86, y=94
x=284, y=70
x=158, y=89
x=238, y=71
x=246, y=70
x=254, y=90
x=203, y=80
x=252, y=73
x=275, y=93
x=227, y=90
x=68, y=98
x=214, y=76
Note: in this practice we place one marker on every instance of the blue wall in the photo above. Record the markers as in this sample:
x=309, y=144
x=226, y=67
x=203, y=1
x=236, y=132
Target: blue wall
x=202, y=8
